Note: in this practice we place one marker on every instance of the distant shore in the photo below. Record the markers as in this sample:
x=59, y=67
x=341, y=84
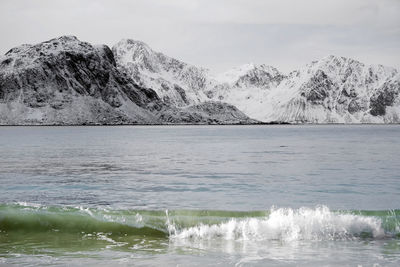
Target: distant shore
x=199, y=124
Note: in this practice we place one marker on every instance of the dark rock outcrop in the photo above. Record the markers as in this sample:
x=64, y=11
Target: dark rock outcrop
x=384, y=97
x=206, y=113
x=318, y=87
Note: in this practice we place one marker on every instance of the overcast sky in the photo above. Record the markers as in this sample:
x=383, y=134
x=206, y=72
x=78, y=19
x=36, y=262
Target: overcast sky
x=218, y=34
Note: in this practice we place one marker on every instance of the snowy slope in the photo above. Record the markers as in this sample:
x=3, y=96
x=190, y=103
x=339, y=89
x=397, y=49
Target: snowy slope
x=176, y=82
x=247, y=87
x=331, y=90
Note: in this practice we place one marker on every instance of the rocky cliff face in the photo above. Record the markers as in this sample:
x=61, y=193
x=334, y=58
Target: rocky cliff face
x=66, y=81
x=206, y=113
x=386, y=101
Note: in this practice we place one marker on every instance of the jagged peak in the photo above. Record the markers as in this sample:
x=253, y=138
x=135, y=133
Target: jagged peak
x=29, y=55
x=232, y=75
x=65, y=41
x=52, y=45
x=340, y=67
x=270, y=69
x=342, y=61
x=67, y=38
x=336, y=67
x=334, y=61
x=132, y=42
x=137, y=52
x=134, y=47
x=129, y=51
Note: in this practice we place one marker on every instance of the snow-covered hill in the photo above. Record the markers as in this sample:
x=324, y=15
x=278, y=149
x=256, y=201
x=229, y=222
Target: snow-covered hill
x=331, y=90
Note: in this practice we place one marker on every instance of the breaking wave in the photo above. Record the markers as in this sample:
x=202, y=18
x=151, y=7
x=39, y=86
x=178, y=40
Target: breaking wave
x=294, y=224
x=284, y=224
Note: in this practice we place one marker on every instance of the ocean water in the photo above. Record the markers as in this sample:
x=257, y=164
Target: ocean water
x=200, y=195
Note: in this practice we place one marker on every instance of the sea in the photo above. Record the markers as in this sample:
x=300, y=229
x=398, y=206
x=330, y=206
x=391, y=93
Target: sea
x=261, y=195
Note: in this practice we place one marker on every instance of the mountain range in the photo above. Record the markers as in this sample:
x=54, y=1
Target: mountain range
x=66, y=81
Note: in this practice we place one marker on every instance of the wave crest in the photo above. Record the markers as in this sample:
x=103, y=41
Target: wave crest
x=288, y=224
x=284, y=224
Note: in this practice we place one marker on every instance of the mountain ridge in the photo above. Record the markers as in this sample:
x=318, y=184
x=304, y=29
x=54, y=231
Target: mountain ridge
x=67, y=81
x=333, y=89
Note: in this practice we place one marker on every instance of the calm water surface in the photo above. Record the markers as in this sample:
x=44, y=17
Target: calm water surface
x=200, y=195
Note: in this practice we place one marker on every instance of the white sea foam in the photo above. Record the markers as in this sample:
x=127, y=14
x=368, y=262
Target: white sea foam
x=288, y=225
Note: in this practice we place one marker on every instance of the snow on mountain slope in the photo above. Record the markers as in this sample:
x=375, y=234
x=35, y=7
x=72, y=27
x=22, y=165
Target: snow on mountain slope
x=331, y=90
x=65, y=81
x=176, y=82
x=251, y=75
x=180, y=84
x=247, y=87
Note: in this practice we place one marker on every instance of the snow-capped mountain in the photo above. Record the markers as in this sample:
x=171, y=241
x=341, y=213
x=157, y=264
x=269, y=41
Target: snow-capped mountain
x=176, y=82
x=331, y=90
x=67, y=81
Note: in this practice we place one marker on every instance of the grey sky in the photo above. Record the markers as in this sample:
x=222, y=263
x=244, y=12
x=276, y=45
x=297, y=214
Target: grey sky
x=218, y=34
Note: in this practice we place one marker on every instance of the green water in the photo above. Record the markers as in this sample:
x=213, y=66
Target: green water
x=60, y=231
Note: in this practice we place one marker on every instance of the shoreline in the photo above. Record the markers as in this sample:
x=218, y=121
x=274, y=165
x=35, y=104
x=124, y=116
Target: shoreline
x=201, y=124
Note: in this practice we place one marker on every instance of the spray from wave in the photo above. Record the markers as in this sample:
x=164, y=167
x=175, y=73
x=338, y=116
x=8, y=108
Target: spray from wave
x=287, y=225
